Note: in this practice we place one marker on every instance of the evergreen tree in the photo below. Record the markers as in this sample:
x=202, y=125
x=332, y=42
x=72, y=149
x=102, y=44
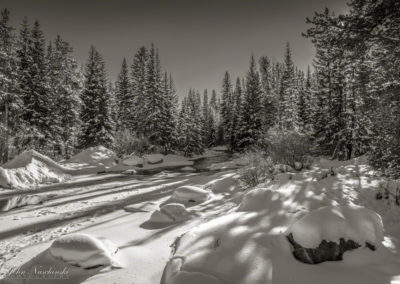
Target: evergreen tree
x=97, y=124
x=10, y=102
x=227, y=109
x=139, y=91
x=65, y=85
x=124, y=99
x=287, y=95
x=251, y=126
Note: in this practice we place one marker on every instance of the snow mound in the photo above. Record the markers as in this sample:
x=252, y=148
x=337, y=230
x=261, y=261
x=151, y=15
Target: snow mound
x=85, y=251
x=10, y=203
x=31, y=168
x=95, y=156
x=154, y=158
x=133, y=161
x=188, y=169
x=260, y=199
x=169, y=213
x=189, y=194
x=224, y=184
x=331, y=223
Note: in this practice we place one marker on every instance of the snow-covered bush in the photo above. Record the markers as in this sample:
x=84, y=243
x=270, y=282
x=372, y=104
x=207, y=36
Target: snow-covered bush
x=257, y=170
x=288, y=148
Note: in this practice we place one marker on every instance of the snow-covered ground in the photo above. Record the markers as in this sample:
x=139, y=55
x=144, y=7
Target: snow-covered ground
x=226, y=236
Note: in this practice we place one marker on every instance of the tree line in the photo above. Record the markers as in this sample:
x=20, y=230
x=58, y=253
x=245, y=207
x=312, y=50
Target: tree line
x=348, y=103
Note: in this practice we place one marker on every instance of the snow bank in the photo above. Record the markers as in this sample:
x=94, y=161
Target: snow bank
x=188, y=169
x=98, y=156
x=331, y=223
x=189, y=195
x=30, y=169
x=170, y=213
x=9, y=203
x=226, y=183
x=133, y=161
x=154, y=158
x=250, y=245
x=85, y=251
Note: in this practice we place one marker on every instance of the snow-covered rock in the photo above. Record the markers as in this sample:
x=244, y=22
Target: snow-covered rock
x=30, y=169
x=326, y=233
x=298, y=166
x=133, y=161
x=189, y=195
x=154, y=158
x=169, y=213
x=85, y=251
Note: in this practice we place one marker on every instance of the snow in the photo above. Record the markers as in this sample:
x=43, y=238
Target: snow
x=93, y=159
x=189, y=194
x=154, y=158
x=170, y=213
x=132, y=161
x=30, y=169
x=331, y=223
x=250, y=245
x=85, y=251
x=234, y=236
x=227, y=183
x=188, y=169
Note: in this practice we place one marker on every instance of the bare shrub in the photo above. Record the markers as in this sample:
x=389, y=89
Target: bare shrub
x=258, y=169
x=127, y=143
x=288, y=148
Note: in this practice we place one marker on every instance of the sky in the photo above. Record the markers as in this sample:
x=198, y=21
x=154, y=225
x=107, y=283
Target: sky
x=198, y=40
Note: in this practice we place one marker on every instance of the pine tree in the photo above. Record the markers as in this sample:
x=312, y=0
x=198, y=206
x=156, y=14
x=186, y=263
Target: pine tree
x=237, y=116
x=38, y=102
x=269, y=93
x=97, y=124
x=227, y=109
x=124, y=99
x=139, y=91
x=65, y=84
x=10, y=102
x=251, y=126
x=287, y=95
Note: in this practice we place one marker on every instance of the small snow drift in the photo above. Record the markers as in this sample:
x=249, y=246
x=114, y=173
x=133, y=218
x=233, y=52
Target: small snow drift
x=188, y=169
x=31, y=168
x=260, y=199
x=154, y=159
x=224, y=184
x=10, y=203
x=85, y=251
x=190, y=195
x=98, y=156
x=170, y=213
x=326, y=233
x=133, y=161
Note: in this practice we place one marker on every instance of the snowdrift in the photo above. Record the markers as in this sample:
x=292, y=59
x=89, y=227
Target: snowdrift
x=170, y=213
x=93, y=159
x=85, y=251
x=30, y=169
x=251, y=245
x=331, y=223
x=189, y=195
